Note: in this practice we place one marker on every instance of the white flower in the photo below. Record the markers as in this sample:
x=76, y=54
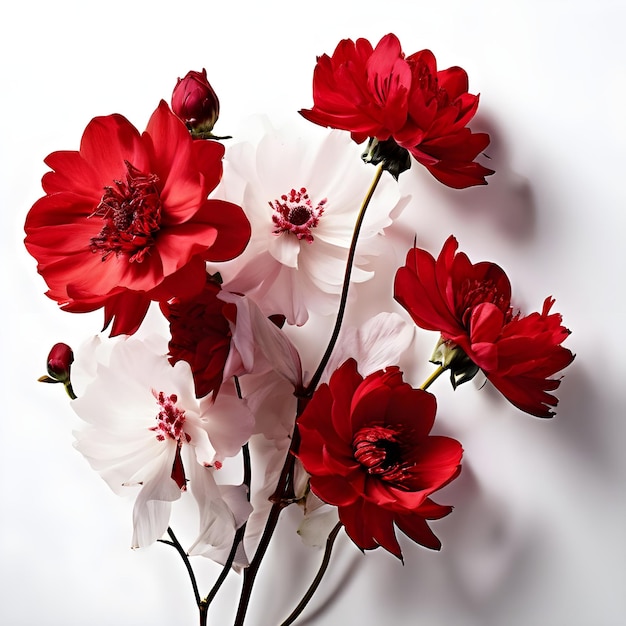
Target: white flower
x=147, y=429
x=302, y=199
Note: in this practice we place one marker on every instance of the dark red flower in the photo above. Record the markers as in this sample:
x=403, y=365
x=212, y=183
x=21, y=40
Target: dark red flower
x=200, y=335
x=380, y=94
x=470, y=305
x=195, y=102
x=366, y=445
x=126, y=219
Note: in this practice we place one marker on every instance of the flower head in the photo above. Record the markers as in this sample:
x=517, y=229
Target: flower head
x=366, y=444
x=393, y=100
x=302, y=213
x=201, y=335
x=470, y=305
x=195, y=103
x=126, y=219
x=147, y=429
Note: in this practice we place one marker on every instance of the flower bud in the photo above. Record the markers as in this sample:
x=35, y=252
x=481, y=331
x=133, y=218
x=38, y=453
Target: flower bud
x=195, y=102
x=60, y=359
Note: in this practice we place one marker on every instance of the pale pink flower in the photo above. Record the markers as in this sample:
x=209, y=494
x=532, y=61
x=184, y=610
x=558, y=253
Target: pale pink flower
x=146, y=429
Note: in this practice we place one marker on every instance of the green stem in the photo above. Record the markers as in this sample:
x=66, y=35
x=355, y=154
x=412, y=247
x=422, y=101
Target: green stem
x=318, y=578
x=346, y=283
x=433, y=377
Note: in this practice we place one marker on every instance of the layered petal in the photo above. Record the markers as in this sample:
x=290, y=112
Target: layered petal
x=366, y=444
x=381, y=94
x=126, y=218
x=470, y=305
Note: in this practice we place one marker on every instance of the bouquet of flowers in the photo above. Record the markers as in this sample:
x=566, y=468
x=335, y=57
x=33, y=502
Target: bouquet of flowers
x=242, y=363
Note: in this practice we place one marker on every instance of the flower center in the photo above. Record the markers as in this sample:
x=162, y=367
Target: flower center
x=170, y=422
x=170, y=419
x=131, y=216
x=378, y=450
x=294, y=213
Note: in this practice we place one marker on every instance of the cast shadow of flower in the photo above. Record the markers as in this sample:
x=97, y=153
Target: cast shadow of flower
x=506, y=203
x=484, y=541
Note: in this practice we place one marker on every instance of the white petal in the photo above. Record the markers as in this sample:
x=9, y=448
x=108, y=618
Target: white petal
x=316, y=527
x=285, y=248
x=151, y=513
x=223, y=509
x=380, y=342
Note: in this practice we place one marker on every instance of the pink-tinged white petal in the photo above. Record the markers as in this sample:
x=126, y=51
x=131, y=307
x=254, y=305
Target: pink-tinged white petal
x=223, y=509
x=260, y=343
x=318, y=524
x=151, y=513
x=378, y=343
x=228, y=422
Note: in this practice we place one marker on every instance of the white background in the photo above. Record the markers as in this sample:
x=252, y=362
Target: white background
x=537, y=535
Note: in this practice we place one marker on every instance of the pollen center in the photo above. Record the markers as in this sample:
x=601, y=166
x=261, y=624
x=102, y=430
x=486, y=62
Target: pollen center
x=295, y=213
x=131, y=214
x=379, y=452
x=170, y=419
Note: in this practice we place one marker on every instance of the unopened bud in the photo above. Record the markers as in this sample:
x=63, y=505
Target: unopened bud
x=196, y=104
x=60, y=359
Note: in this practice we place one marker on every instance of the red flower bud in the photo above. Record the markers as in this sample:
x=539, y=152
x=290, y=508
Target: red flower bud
x=195, y=102
x=60, y=360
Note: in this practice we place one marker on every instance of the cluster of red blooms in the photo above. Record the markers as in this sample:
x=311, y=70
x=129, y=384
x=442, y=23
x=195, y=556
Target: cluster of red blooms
x=127, y=220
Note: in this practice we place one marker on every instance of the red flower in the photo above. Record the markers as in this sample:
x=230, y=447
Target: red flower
x=201, y=336
x=380, y=94
x=195, y=102
x=470, y=305
x=366, y=445
x=126, y=220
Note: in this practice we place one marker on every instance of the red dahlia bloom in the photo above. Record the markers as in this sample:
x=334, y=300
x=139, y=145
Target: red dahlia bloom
x=201, y=335
x=381, y=94
x=470, y=305
x=366, y=445
x=126, y=219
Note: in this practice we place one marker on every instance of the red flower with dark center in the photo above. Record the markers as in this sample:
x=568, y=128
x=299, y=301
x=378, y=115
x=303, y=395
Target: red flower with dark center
x=201, y=335
x=470, y=305
x=380, y=94
x=126, y=219
x=366, y=445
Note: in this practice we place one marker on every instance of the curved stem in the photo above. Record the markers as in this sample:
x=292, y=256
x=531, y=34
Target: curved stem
x=284, y=490
x=318, y=578
x=183, y=555
x=346, y=283
x=433, y=377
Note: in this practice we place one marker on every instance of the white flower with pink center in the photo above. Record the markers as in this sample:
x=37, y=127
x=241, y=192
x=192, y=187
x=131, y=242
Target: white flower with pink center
x=147, y=430
x=302, y=198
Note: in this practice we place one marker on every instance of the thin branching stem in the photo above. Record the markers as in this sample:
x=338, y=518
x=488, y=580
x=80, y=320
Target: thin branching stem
x=318, y=578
